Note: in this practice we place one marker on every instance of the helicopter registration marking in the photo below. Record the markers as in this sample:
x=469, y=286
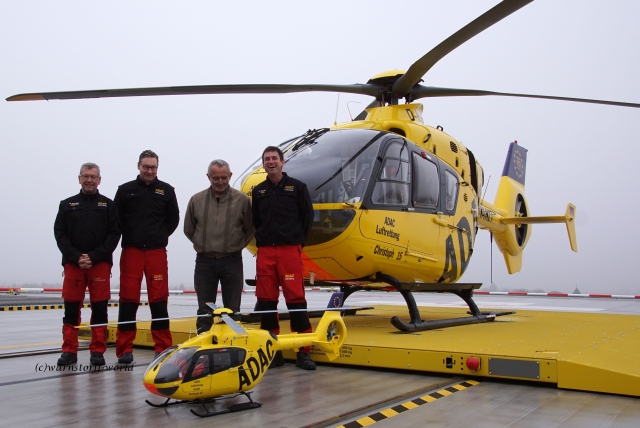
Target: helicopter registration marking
x=486, y=214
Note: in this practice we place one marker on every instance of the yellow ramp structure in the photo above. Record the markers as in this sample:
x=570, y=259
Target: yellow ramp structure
x=582, y=351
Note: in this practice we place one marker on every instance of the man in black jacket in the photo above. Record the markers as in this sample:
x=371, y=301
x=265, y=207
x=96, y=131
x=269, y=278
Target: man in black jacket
x=149, y=214
x=87, y=231
x=282, y=215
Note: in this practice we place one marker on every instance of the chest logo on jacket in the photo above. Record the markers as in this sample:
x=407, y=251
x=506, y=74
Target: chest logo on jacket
x=289, y=188
x=102, y=204
x=160, y=192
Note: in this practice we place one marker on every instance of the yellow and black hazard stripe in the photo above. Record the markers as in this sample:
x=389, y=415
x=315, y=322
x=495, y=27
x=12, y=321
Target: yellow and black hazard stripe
x=43, y=307
x=400, y=408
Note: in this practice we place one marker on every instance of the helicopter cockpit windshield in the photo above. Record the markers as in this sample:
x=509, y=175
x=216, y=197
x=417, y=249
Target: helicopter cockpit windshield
x=336, y=166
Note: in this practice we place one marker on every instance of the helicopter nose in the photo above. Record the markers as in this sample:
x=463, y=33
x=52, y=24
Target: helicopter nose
x=152, y=388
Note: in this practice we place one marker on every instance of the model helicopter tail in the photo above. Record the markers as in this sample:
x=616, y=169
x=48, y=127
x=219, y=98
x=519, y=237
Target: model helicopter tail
x=508, y=218
x=329, y=336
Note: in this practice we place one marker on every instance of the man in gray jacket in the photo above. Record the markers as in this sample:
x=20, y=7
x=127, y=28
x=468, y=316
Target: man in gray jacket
x=218, y=223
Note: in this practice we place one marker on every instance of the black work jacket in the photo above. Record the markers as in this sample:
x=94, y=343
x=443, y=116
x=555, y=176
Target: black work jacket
x=282, y=213
x=148, y=213
x=87, y=224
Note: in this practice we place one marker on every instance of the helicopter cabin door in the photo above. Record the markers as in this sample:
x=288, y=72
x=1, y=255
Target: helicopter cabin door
x=386, y=223
x=215, y=370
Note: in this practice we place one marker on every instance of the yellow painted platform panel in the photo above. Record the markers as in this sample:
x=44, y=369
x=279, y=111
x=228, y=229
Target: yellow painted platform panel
x=584, y=351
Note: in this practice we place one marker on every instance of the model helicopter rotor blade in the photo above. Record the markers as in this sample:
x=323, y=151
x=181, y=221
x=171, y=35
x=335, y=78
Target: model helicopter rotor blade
x=414, y=74
x=234, y=325
x=358, y=88
x=434, y=92
x=106, y=324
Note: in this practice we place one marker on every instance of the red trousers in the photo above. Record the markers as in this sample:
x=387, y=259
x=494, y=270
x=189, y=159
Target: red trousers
x=281, y=266
x=134, y=263
x=75, y=283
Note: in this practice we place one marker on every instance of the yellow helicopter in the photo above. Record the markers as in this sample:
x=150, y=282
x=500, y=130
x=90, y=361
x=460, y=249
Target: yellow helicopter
x=397, y=203
x=229, y=360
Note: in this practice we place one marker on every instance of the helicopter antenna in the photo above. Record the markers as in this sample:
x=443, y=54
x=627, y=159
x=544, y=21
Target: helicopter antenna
x=350, y=115
x=335, y=122
x=485, y=189
x=491, y=257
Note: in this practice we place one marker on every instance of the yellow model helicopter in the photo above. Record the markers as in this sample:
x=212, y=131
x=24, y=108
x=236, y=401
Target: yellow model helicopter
x=231, y=360
x=397, y=203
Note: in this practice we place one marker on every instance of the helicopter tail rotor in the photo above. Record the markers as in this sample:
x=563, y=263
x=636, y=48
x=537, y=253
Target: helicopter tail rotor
x=331, y=334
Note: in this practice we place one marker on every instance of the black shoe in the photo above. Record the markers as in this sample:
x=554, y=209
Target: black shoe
x=278, y=360
x=67, y=358
x=97, y=359
x=304, y=361
x=126, y=358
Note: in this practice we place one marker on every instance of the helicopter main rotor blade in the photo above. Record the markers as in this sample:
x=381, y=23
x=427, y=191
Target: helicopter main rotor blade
x=432, y=92
x=358, y=88
x=403, y=85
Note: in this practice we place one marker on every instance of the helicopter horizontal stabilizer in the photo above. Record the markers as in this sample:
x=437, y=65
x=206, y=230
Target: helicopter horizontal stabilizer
x=568, y=218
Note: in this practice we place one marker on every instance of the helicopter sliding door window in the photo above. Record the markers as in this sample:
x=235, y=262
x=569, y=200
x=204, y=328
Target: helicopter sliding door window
x=451, y=192
x=201, y=366
x=426, y=183
x=392, y=187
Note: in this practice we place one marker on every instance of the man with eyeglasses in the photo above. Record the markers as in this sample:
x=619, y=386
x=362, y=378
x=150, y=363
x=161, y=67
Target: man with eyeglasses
x=218, y=223
x=87, y=231
x=149, y=214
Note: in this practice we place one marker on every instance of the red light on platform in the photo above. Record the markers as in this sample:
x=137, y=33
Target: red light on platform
x=473, y=363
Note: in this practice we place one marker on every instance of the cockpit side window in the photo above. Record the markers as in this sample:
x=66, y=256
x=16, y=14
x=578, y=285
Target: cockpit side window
x=392, y=185
x=426, y=184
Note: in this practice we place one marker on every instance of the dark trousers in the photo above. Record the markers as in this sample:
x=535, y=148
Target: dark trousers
x=208, y=272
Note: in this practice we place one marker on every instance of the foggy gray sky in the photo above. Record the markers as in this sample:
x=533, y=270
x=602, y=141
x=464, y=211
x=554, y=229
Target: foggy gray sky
x=585, y=154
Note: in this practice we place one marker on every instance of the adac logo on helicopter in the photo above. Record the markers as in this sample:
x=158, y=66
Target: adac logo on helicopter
x=254, y=367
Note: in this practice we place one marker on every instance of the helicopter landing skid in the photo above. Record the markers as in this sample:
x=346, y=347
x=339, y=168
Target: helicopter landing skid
x=233, y=408
x=168, y=402
x=464, y=291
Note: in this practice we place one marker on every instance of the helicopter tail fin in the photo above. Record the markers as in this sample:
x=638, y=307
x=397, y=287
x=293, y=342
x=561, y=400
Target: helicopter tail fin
x=331, y=334
x=511, y=228
x=510, y=199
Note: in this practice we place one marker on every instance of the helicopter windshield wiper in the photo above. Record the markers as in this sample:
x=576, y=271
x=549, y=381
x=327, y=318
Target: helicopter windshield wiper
x=309, y=138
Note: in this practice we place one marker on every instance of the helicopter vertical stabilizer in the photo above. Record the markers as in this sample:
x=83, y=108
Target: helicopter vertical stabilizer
x=511, y=202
